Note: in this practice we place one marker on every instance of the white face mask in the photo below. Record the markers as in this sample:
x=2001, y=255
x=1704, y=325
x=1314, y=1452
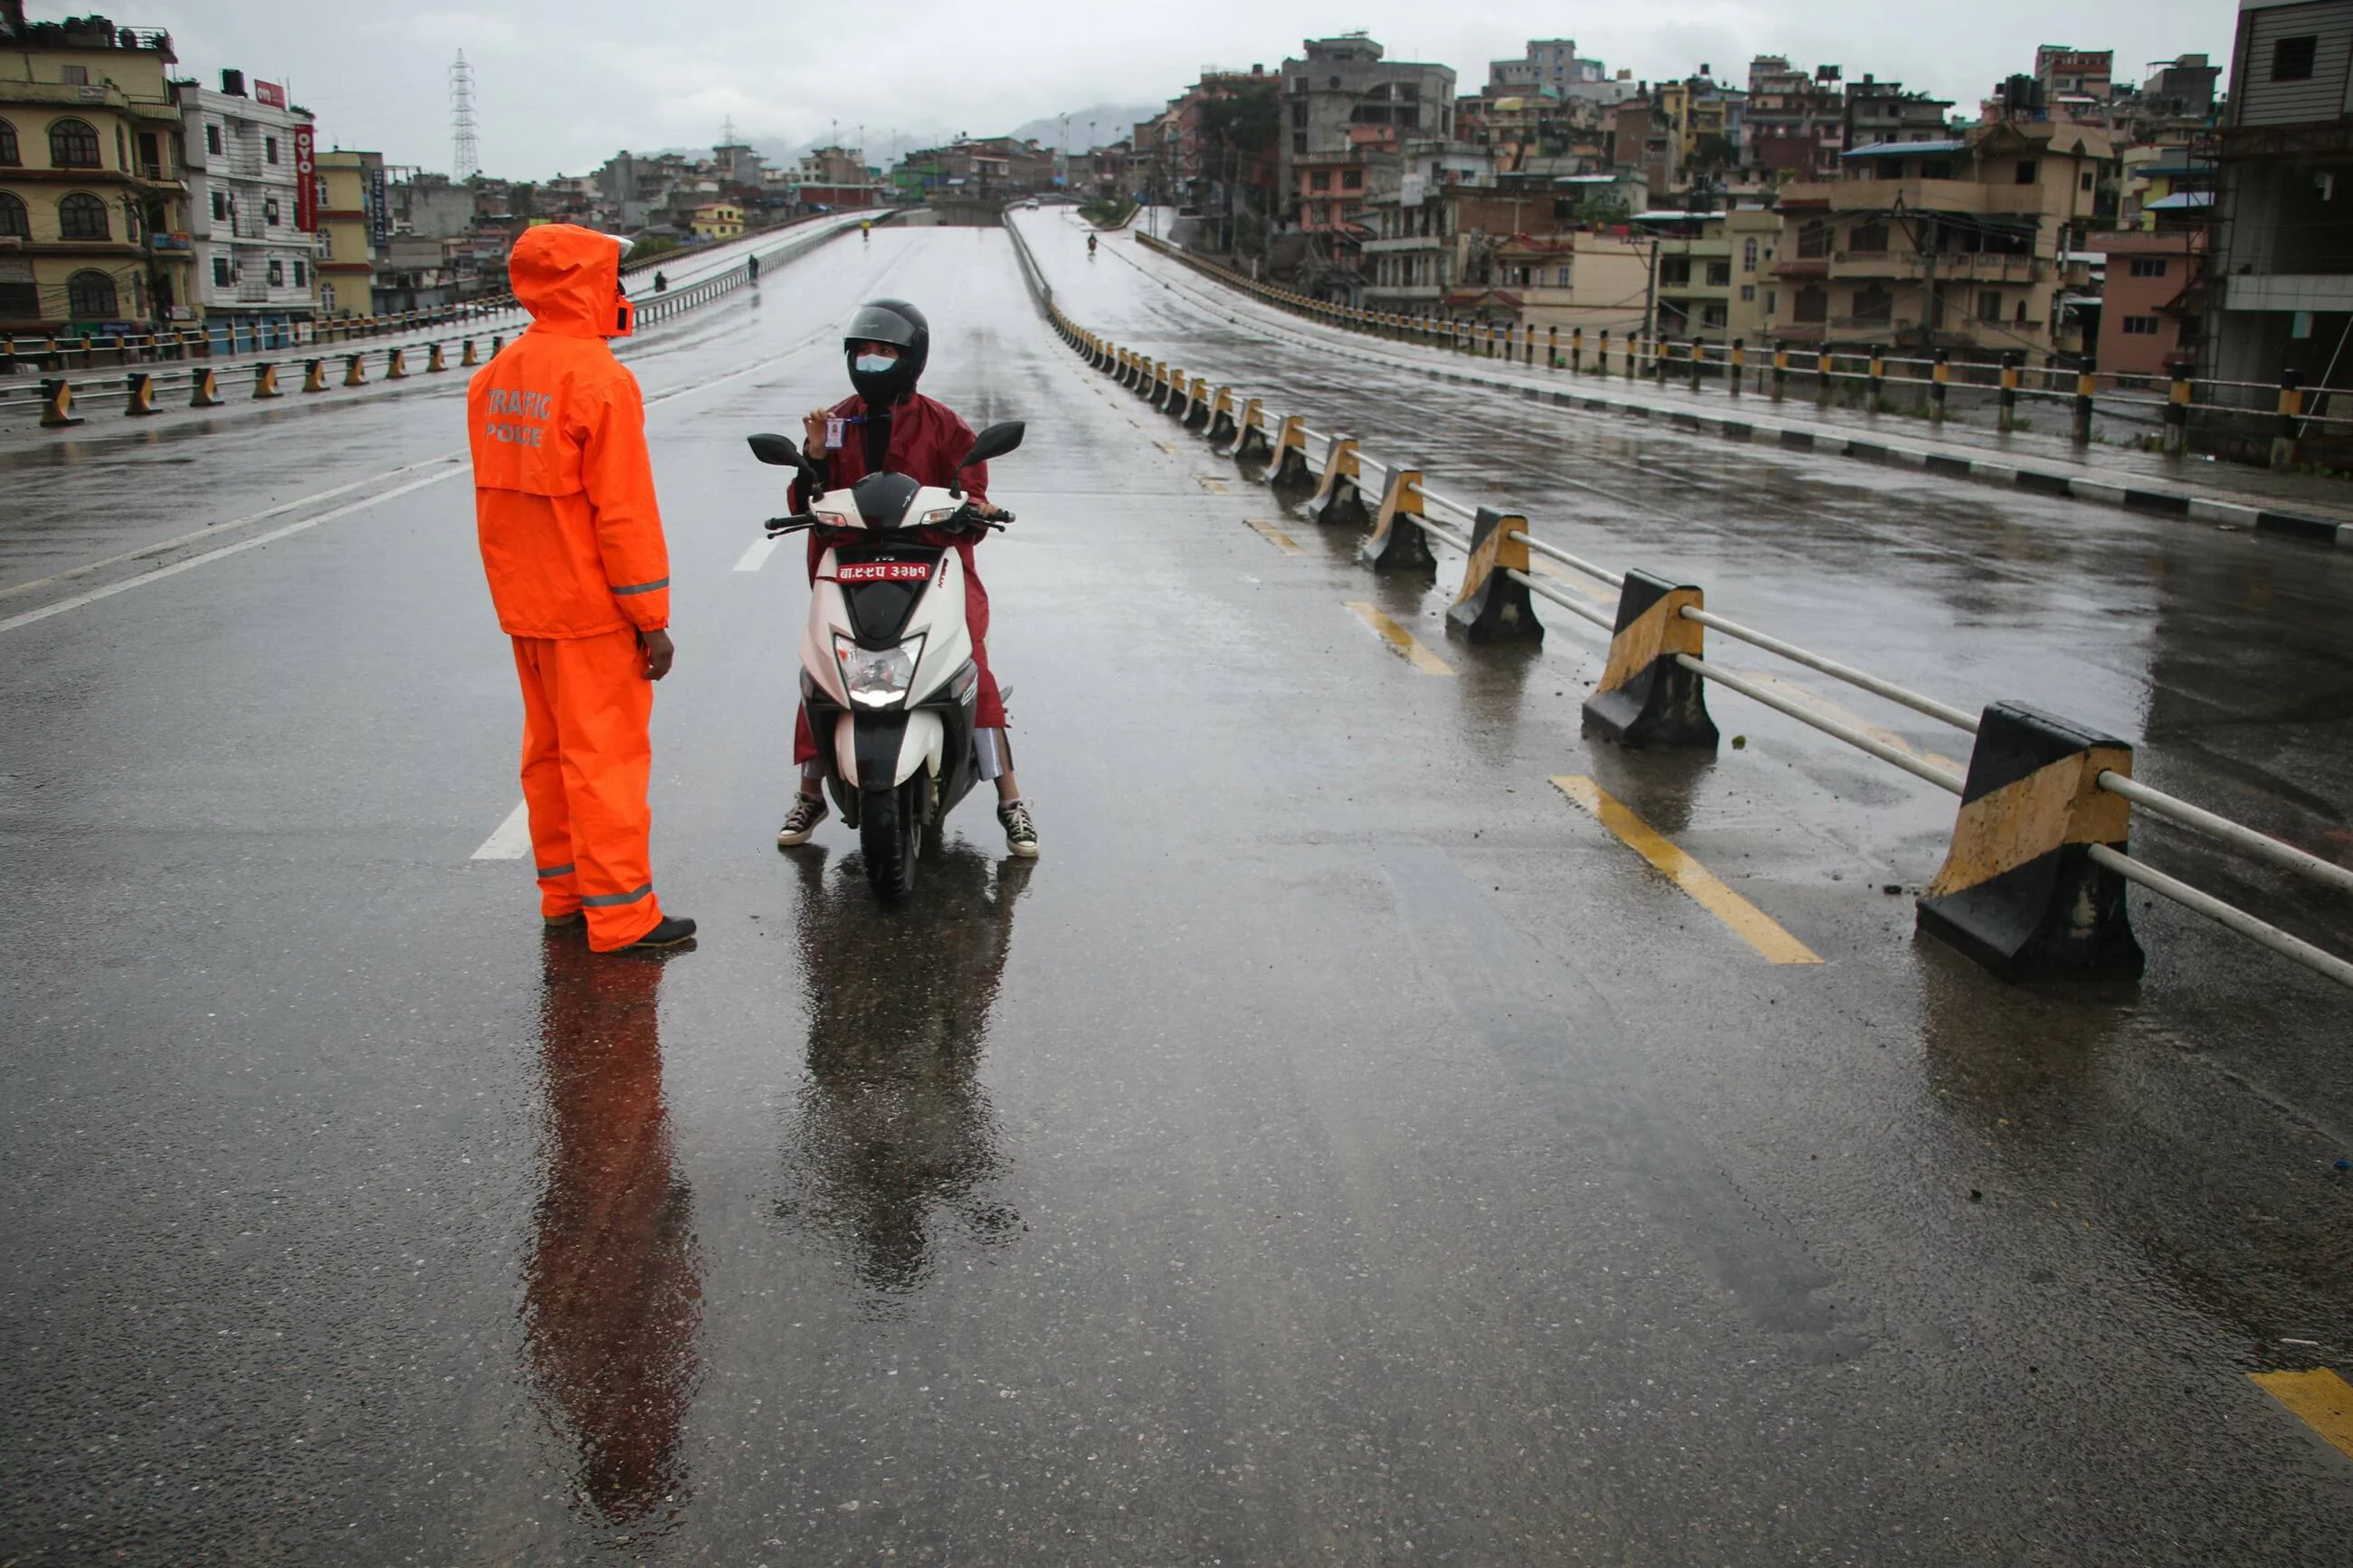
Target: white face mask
x=874, y=365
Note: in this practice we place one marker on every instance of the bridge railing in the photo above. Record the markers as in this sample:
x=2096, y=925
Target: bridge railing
x=2032, y=885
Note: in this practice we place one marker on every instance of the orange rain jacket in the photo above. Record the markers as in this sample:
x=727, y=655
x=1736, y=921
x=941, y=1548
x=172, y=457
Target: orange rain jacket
x=563, y=491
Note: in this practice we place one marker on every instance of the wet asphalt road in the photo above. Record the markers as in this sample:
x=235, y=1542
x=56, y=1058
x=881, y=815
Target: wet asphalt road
x=1335, y=1149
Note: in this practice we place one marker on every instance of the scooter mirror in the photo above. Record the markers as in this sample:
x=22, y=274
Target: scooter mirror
x=994, y=442
x=777, y=449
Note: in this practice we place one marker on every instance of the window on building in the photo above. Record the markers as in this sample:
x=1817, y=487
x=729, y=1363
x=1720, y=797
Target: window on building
x=14, y=218
x=2149, y=266
x=1719, y=274
x=326, y=245
x=73, y=144
x=269, y=210
x=1813, y=238
x=1748, y=254
x=1748, y=293
x=2019, y=318
x=2026, y=171
x=1299, y=144
x=1298, y=115
x=9, y=153
x=1772, y=301
x=90, y=296
x=211, y=138
x=1868, y=239
x=74, y=76
x=1711, y=314
x=269, y=149
x=220, y=272
x=1936, y=168
x=1872, y=305
x=20, y=297
x=1674, y=270
x=1989, y=304
x=81, y=216
x=1352, y=179
x=2140, y=326
x=2293, y=58
x=220, y=207
x=1319, y=180
x=277, y=273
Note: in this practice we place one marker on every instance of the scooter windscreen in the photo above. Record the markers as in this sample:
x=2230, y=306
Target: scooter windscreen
x=883, y=499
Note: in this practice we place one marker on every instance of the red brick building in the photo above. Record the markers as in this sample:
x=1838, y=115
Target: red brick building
x=2149, y=311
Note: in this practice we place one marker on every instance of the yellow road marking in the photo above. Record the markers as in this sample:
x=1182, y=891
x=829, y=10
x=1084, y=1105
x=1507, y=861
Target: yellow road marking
x=1275, y=537
x=1749, y=923
x=1807, y=697
x=1408, y=647
x=1213, y=485
x=2321, y=1398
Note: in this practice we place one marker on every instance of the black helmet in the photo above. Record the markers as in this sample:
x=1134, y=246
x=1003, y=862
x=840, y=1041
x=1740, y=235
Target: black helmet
x=900, y=324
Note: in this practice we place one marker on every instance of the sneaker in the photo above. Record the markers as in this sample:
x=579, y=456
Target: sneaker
x=807, y=811
x=1020, y=833
x=672, y=931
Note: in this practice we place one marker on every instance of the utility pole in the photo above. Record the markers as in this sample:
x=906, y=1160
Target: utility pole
x=1928, y=283
x=1650, y=295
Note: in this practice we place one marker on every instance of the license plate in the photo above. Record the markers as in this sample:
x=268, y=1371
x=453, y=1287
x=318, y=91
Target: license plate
x=885, y=571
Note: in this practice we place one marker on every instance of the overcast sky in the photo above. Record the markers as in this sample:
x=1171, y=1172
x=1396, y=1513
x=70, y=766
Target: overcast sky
x=561, y=84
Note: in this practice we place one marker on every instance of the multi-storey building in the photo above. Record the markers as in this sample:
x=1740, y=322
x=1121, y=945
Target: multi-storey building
x=2149, y=309
x=1550, y=66
x=253, y=200
x=2283, y=257
x=2068, y=73
x=93, y=216
x=1711, y=272
x=1794, y=127
x=1963, y=244
x=1343, y=90
x=1879, y=111
x=354, y=227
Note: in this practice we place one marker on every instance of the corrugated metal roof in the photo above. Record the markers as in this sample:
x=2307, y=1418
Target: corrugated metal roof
x=2179, y=201
x=1906, y=150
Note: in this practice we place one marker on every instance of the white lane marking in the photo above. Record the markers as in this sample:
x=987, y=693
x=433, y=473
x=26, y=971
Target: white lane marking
x=212, y=528
x=193, y=561
x=512, y=839
x=757, y=556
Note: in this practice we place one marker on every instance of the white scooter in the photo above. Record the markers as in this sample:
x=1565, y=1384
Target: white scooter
x=886, y=661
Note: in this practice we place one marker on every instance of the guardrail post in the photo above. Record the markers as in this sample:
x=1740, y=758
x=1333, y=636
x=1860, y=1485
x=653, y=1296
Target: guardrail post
x=467, y=357
x=355, y=370
x=7, y=354
x=57, y=405
x=1698, y=363
x=1253, y=445
x=435, y=360
x=1739, y=365
x=138, y=393
x=314, y=375
x=204, y=388
x=2291, y=405
x=1876, y=384
x=1823, y=373
x=1397, y=544
x=1940, y=376
x=2007, y=419
x=1552, y=347
x=1645, y=697
x=2019, y=891
x=1577, y=349
x=1494, y=606
x=1222, y=427
x=1781, y=372
x=1339, y=497
x=1662, y=350
x=497, y=344
x=2081, y=431
x=1291, y=470
x=396, y=364
x=2177, y=415
x=265, y=381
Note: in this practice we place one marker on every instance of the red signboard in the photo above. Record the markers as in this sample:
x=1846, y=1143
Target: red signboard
x=270, y=93
x=306, y=182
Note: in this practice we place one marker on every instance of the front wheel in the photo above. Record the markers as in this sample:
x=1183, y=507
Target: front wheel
x=890, y=824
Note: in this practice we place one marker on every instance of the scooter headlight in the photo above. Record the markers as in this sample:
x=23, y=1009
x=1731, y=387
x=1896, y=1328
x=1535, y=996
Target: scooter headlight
x=876, y=676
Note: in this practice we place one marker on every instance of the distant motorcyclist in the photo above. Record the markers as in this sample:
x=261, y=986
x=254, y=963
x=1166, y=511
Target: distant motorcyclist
x=1090, y=248
x=889, y=427
x=661, y=284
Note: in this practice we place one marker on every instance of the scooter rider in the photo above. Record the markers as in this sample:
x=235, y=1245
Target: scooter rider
x=1090, y=248
x=889, y=426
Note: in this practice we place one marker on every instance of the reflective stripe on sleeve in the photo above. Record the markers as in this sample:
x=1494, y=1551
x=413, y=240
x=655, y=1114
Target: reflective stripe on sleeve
x=607, y=900
x=641, y=587
x=562, y=870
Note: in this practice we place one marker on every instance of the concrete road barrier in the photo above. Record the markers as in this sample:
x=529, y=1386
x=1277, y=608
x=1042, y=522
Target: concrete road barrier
x=265, y=381
x=1493, y=605
x=1397, y=543
x=1338, y=496
x=1646, y=697
x=204, y=388
x=57, y=403
x=139, y=395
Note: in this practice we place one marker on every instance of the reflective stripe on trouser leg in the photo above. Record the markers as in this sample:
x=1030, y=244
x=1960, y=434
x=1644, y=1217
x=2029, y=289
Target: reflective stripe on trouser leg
x=543, y=789
x=602, y=705
x=988, y=751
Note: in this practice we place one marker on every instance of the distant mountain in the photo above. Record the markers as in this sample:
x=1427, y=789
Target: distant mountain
x=1111, y=123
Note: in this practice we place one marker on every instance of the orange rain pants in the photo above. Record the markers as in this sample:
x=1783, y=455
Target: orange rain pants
x=586, y=755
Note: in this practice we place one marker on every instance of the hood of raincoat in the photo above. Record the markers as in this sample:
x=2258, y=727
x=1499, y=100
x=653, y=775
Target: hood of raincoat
x=569, y=279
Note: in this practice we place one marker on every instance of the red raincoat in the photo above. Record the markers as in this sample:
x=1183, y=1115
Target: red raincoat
x=927, y=440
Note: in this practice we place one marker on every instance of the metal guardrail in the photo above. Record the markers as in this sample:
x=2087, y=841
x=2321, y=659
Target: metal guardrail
x=198, y=377
x=2166, y=404
x=1988, y=805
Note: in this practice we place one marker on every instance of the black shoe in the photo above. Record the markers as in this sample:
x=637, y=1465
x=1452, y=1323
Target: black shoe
x=807, y=812
x=673, y=929
x=572, y=921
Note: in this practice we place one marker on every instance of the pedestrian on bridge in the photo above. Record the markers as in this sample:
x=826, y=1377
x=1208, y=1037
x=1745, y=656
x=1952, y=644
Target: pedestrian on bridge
x=572, y=541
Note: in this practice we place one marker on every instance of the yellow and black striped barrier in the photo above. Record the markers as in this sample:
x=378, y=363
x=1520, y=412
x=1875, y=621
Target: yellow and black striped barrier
x=1397, y=543
x=265, y=380
x=204, y=388
x=1339, y=495
x=1196, y=404
x=2020, y=892
x=1291, y=467
x=57, y=403
x=1222, y=427
x=469, y=358
x=1250, y=443
x=139, y=395
x=396, y=364
x=355, y=370
x=314, y=375
x=435, y=359
x=1646, y=698
x=1493, y=605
